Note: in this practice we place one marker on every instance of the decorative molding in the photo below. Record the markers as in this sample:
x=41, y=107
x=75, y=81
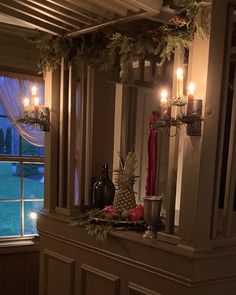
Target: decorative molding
x=182, y=280
x=121, y=259
x=135, y=289
x=48, y=254
x=110, y=278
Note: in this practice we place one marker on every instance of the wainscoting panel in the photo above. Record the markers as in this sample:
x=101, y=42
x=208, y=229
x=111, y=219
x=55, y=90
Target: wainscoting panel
x=59, y=273
x=135, y=289
x=92, y=277
x=19, y=272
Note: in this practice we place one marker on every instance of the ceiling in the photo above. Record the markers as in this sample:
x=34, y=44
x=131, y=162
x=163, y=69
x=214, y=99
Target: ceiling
x=76, y=17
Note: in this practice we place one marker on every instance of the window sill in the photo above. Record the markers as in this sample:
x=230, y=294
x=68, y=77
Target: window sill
x=8, y=246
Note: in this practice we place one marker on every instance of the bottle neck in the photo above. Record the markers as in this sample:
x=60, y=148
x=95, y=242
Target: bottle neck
x=105, y=171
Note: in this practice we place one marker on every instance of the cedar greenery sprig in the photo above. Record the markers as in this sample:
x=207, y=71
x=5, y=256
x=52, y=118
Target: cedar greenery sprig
x=118, y=50
x=99, y=231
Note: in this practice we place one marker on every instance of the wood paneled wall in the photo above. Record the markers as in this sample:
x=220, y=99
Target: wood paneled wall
x=72, y=263
x=19, y=273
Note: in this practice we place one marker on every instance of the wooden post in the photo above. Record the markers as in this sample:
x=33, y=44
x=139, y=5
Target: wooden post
x=89, y=135
x=71, y=137
x=117, y=126
x=191, y=155
x=172, y=178
x=52, y=94
x=63, y=135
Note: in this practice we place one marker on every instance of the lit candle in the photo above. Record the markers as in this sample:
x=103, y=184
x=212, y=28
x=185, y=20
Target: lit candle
x=26, y=106
x=34, y=91
x=191, y=91
x=164, y=104
x=180, y=83
x=26, y=103
x=164, y=95
x=36, y=106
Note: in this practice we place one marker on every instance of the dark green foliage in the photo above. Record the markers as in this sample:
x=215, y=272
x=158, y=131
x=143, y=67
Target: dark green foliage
x=1, y=141
x=8, y=140
x=99, y=231
x=117, y=51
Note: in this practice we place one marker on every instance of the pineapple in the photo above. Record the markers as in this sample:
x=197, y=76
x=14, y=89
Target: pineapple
x=124, y=180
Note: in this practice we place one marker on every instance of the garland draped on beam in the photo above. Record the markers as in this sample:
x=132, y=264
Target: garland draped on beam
x=112, y=51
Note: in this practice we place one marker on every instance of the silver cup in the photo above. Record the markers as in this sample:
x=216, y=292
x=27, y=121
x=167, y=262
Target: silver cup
x=152, y=210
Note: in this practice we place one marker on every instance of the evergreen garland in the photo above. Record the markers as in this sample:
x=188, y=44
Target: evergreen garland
x=117, y=50
x=99, y=231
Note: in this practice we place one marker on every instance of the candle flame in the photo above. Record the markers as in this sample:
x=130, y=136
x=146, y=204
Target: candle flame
x=34, y=90
x=192, y=88
x=164, y=94
x=26, y=102
x=180, y=72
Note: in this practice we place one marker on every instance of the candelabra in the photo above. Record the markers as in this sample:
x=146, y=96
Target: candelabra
x=35, y=115
x=191, y=118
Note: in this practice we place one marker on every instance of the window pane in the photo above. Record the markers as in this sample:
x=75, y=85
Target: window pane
x=28, y=149
x=9, y=138
x=30, y=217
x=33, y=181
x=10, y=184
x=10, y=218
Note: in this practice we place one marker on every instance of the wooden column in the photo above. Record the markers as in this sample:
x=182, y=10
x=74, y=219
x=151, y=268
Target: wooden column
x=169, y=201
x=52, y=94
x=117, y=125
x=89, y=135
x=63, y=135
x=67, y=140
x=71, y=138
x=191, y=201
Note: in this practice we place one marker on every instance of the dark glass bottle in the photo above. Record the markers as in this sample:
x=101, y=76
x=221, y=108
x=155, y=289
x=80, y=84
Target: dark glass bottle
x=103, y=190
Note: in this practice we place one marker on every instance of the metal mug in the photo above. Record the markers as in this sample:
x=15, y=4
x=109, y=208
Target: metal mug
x=152, y=210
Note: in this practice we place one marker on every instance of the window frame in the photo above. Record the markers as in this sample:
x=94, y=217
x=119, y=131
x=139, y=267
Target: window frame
x=22, y=160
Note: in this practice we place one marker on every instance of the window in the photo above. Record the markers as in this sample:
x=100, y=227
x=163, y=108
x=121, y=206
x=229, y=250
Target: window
x=21, y=181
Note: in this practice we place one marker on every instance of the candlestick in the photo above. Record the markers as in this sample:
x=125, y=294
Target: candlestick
x=164, y=105
x=26, y=102
x=26, y=106
x=180, y=83
x=36, y=107
x=191, y=91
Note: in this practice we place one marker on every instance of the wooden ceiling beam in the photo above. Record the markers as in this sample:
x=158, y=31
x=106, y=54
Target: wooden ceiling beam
x=32, y=13
x=74, y=11
x=98, y=27
x=151, y=6
x=35, y=6
x=92, y=8
x=110, y=6
x=164, y=17
x=63, y=11
x=127, y=5
x=31, y=21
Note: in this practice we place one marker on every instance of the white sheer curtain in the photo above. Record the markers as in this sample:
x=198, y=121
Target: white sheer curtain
x=12, y=92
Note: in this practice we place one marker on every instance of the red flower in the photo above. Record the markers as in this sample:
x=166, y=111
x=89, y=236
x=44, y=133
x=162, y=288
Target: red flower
x=109, y=212
x=136, y=213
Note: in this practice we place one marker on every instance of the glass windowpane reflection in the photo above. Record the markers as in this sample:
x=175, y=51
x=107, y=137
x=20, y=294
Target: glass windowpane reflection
x=10, y=219
x=9, y=138
x=10, y=180
x=30, y=217
x=33, y=181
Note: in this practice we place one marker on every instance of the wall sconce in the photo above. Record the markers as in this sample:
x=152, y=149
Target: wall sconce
x=192, y=118
x=35, y=115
